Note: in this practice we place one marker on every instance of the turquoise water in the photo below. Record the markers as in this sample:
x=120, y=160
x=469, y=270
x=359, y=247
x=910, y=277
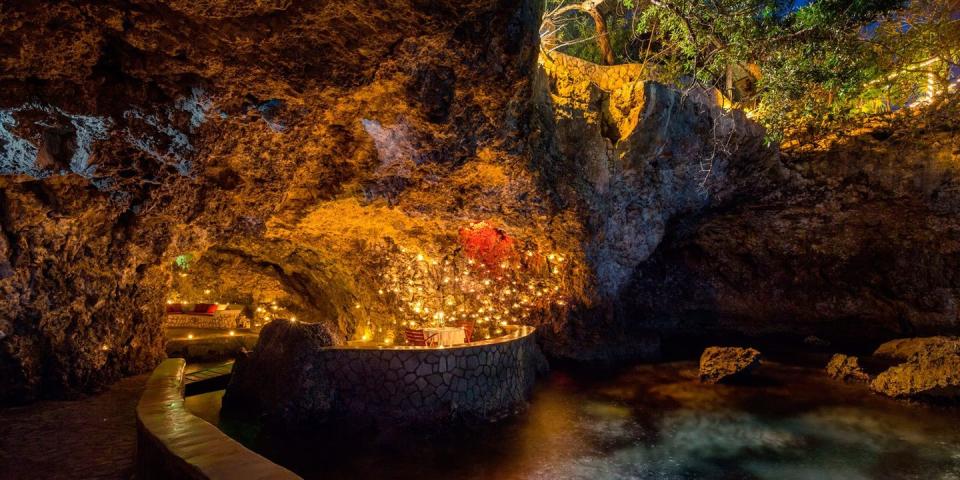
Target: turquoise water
x=646, y=422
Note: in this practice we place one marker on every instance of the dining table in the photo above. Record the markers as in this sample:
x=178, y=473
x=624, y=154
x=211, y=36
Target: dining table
x=445, y=336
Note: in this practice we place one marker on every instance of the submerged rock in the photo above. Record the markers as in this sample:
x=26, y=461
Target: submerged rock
x=719, y=364
x=846, y=368
x=930, y=371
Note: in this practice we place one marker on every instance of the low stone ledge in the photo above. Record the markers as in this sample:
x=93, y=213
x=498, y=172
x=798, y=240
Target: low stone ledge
x=173, y=443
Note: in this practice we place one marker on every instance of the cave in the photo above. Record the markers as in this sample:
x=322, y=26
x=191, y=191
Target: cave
x=479, y=239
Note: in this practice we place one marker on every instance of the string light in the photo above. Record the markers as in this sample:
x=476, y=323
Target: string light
x=456, y=288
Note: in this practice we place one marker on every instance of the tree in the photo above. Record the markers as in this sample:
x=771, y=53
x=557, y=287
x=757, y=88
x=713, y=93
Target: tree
x=793, y=66
x=553, y=19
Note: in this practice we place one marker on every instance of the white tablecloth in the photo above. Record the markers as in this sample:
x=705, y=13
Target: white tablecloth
x=444, y=335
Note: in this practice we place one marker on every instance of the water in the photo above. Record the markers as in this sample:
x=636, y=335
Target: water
x=646, y=422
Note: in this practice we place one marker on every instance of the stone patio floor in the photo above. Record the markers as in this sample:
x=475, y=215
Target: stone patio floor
x=94, y=437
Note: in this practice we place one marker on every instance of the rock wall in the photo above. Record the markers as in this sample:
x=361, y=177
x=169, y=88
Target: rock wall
x=608, y=78
x=383, y=386
x=630, y=157
x=857, y=243
x=280, y=136
x=281, y=142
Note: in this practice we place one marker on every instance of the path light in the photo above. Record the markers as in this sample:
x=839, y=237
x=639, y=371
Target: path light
x=232, y=333
x=189, y=336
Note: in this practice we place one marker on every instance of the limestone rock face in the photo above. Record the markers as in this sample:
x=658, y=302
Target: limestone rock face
x=280, y=137
x=723, y=364
x=857, y=242
x=279, y=142
x=928, y=369
x=631, y=157
x=278, y=377
x=906, y=348
x=847, y=369
x=931, y=376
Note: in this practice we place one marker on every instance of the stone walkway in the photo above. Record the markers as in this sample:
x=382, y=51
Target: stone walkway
x=94, y=437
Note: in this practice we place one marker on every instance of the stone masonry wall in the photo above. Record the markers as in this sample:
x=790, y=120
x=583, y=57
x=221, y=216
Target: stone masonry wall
x=389, y=386
x=485, y=381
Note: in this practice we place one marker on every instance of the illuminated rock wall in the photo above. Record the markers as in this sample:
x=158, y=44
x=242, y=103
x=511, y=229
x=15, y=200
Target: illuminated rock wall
x=277, y=137
x=631, y=157
x=606, y=77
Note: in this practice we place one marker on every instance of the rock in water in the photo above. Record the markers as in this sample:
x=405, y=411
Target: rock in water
x=931, y=370
x=846, y=368
x=905, y=348
x=720, y=364
x=277, y=379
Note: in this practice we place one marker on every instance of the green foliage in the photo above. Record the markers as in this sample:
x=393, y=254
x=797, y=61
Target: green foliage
x=183, y=261
x=809, y=66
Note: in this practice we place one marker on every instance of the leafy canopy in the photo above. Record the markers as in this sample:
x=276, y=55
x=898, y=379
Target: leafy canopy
x=794, y=64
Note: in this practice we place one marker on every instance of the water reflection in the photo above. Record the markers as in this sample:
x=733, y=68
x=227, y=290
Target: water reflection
x=648, y=422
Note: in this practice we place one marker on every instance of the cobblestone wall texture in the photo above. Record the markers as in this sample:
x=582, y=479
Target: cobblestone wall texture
x=389, y=386
x=485, y=381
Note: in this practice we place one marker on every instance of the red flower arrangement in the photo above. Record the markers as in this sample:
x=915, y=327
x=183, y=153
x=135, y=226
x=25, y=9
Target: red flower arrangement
x=488, y=245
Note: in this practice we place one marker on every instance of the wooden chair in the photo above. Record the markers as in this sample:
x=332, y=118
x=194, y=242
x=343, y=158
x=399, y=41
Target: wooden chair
x=467, y=331
x=417, y=337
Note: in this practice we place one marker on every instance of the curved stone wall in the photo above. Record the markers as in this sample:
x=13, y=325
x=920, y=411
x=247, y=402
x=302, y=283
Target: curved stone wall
x=485, y=380
x=172, y=443
x=395, y=385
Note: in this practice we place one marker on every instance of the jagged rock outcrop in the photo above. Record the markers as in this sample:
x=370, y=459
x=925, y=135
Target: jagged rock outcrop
x=858, y=242
x=290, y=140
x=846, y=369
x=632, y=157
x=290, y=136
x=905, y=348
x=725, y=364
x=283, y=143
x=279, y=376
x=927, y=376
x=928, y=369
